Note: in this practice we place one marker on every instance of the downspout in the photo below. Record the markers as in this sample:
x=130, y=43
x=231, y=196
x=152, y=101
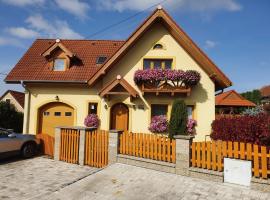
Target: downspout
x=27, y=111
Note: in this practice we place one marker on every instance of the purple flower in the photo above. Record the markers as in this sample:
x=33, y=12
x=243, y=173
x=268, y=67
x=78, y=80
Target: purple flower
x=177, y=77
x=191, y=123
x=91, y=120
x=159, y=124
x=192, y=78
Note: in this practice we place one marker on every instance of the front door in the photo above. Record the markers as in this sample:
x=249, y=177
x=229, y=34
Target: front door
x=119, y=117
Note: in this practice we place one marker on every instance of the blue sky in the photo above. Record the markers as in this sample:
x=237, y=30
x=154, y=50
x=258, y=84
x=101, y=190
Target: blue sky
x=234, y=33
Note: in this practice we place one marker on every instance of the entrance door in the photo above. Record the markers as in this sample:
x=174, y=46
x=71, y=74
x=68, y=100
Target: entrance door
x=55, y=114
x=119, y=117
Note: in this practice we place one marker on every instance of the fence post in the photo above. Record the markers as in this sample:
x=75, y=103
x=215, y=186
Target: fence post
x=81, y=146
x=113, y=146
x=183, y=154
x=57, y=140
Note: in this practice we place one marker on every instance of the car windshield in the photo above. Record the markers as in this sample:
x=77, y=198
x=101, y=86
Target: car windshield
x=4, y=133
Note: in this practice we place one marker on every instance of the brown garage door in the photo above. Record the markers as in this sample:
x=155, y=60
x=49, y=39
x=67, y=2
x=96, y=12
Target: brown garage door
x=55, y=114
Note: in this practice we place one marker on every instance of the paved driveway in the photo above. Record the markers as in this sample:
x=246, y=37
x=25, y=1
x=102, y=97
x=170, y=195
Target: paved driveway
x=121, y=181
x=28, y=179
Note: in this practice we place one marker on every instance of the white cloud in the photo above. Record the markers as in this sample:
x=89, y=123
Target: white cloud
x=52, y=29
x=181, y=5
x=22, y=32
x=22, y=3
x=7, y=41
x=209, y=44
x=75, y=7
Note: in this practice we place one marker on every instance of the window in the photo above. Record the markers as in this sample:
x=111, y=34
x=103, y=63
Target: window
x=157, y=63
x=68, y=114
x=59, y=64
x=46, y=113
x=57, y=114
x=101, y=59
x=8, y=101
x=158, y=46
x=159, y=109
x=92, y=108
x=190, y=111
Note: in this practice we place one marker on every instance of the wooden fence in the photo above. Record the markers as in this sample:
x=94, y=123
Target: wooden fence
x=148, y=146
x=46, y=144
x=96, y=148
x=69, y=145
x=209, y=155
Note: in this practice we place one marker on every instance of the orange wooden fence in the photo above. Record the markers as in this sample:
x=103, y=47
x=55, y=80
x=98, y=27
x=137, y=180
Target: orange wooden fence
x=69, y=145
x=96, y=148
x=46, y=144
x=148, y=146
x=209, y=155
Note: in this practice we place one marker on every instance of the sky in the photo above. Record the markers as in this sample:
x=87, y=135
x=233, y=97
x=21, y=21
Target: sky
x=235, y=34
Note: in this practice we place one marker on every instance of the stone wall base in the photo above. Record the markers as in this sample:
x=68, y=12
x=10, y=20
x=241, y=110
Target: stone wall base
x=146, y=163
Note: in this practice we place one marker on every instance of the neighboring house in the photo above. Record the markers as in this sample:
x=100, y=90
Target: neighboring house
x=265, y=92
x=231, y=103
x=14, y=97
x=66, y=80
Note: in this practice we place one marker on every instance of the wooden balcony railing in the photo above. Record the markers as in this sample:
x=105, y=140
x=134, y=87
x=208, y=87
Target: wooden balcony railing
x=165, y=88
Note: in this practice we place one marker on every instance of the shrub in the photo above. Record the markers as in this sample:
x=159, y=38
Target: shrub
x=254, y=111
x=91, y=120
x=159, y=124
x=10, y=118
x=191, y=123
x=248, y=129
x=178, y=120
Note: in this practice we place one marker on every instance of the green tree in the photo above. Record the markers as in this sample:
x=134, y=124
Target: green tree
x=254, y=96
x=178, y=120
x=10, y=118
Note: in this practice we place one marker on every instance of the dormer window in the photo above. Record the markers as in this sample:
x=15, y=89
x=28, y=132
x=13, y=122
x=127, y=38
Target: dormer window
x=101, y=59
x=158, y=46
x=59, y=64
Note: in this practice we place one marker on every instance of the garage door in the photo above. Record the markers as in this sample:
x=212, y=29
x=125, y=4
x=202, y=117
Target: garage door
x=53, y=115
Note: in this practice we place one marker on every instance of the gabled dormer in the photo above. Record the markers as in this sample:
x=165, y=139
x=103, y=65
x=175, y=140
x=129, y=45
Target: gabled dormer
x=58, y=56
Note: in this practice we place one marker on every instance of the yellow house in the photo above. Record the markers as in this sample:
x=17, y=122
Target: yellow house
x=65, y=80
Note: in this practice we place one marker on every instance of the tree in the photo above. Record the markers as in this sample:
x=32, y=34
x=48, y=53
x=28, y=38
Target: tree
x=178, y=120
x=10, y=118
x=254, y=96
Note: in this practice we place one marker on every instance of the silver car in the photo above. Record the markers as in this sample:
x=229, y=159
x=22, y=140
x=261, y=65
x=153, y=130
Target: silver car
x=17, y=144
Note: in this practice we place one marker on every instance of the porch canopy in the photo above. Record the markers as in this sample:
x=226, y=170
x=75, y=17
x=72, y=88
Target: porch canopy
x=118, y=86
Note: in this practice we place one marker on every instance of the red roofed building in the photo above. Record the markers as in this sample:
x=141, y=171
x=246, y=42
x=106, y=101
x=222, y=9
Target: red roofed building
x=66, y=80
x=228, y=103
x=265, y=92
x=14, y=97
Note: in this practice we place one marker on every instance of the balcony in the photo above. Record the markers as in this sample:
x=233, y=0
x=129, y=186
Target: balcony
x=164, y=81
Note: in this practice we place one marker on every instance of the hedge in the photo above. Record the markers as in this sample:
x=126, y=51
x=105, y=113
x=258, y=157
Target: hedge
x=248, y=129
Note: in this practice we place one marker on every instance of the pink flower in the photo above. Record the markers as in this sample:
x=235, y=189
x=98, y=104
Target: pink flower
x=159, y=124
x=91, y=120
x=191, y=123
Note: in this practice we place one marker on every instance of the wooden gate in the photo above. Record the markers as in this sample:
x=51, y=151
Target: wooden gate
x=46, y=144
x=69, y=145
x=96, y=148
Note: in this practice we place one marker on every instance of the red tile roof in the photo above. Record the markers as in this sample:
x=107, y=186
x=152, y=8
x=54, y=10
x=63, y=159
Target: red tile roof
x=34, y=67
x=232, y=98
x=265, y=91
x=18, y=96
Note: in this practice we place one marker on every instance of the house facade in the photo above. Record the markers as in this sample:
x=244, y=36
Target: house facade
x=66, y=80
x=15, y=98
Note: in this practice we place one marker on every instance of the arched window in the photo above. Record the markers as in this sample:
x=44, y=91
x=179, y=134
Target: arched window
x=158, y=46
